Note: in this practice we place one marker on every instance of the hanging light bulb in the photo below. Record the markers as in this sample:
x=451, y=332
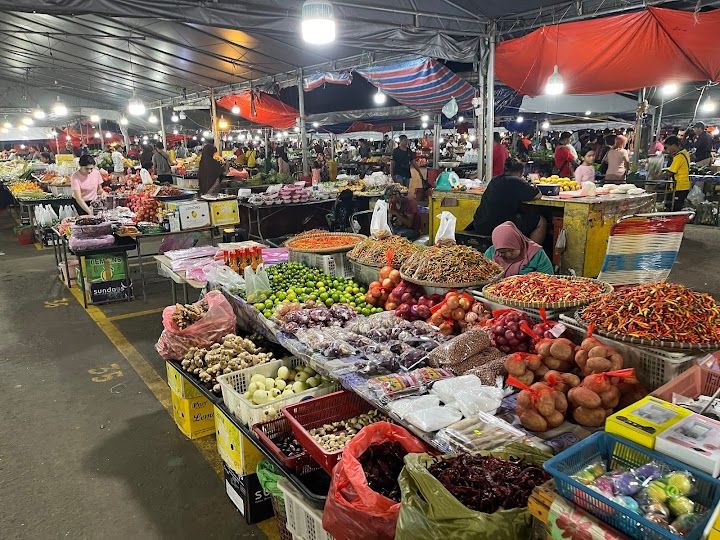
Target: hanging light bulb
x=94, y=118
x=588, y=113
x=202, y=139
x=545, y=125
x=96, y=134
x=709, y=106
x=318, y=24
x=555, y=84
x=206, y=133
x=22, y=147
x=28, y=121
x=152, y=118
x=519, y=119
x=68, y=138
x=175, y=131
x=669, y=89
x=108, y=135
x=461, y=119
x=59, y=108
x=145, y=138
x=424, y=125
x=123, y=121
x=136, y=107
x=296, y=129
x=194, y=138
x=174, y=118
x=155, y=137
x=379, y=98
x=442, y=140
x=285, y=133
x=230, y=138
x=316, y=125
x=39, y=114
x=235, y=108
x=424, y=118
x=222, y=123
x=256, y=138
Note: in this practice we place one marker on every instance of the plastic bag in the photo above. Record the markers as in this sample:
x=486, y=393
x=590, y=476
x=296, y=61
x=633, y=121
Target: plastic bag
x=145, y=177
x=226, y=278
x=434, y=418
x=403, y=407
x=696, y=195
x=352, y=509
x=446, y=230
x=379, y=227
x=450, y=109
x=428, y=510
x=176, y=242
x=257, y=284
x=219, y=320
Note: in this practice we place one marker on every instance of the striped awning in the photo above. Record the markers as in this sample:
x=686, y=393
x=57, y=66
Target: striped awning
x=424, y=84
x=316, y=80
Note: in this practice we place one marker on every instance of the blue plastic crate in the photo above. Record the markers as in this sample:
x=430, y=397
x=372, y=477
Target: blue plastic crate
x=620, y=453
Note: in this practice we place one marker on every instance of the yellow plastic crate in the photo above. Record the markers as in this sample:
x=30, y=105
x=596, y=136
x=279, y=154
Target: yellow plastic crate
x=235, y=449
x=179, y=384
x=225, y=212
x=194, y=417
x=714, y=534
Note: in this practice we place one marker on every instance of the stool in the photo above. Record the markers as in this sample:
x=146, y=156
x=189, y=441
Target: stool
x=481, y=242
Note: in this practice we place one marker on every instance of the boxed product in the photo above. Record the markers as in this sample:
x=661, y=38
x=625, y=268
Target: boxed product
x=644, y=420
x=193, y=214
x=224, y=212
x=694, y=440
x=180, y=384
x=235, y=449
x=194, y=417
x=247, y=495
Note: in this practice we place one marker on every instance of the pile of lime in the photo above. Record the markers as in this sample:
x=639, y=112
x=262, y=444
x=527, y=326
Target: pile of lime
x=296, y=282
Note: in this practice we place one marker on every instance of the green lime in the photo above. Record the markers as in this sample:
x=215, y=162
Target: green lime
x=320, y=285
x=323, y=296
x=352, y=304
x=365, y=311
x=281, y=295
x=268, y=313
x=312, y=297
x=329, y=302
x=259, y=306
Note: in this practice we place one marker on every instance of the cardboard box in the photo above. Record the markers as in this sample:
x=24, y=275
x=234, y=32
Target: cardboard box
x=225, y=212
x=247, y=495
x=101, y=267
x=694, y=440
x=180, y=384
x=644, y=420
x=193, y=214
x=194, y=417
x=236, y=450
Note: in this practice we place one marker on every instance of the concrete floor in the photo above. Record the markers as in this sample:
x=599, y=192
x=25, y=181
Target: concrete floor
x=87, y=459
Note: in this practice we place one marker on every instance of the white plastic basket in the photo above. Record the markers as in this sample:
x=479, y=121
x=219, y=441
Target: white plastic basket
x=303, y=521
x=653, y=367
x=187, y=183
x=61, y=191
x=335, y=264
x=234, y=385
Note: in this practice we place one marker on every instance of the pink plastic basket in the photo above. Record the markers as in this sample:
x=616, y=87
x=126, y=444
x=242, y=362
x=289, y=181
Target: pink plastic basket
x=696, y=381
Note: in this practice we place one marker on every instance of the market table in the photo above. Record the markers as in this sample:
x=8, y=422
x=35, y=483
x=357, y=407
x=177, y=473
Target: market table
x=30, y=204
x=273, y=210
x=165, y=269
x=586, y=220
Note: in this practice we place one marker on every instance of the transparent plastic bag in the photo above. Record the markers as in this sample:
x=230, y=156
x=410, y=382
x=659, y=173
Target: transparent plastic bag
x=145, y=177
x=446, y=230
x=257, y=284
x=447, y=388
x=433, y=418
x=403, y=407
x=485, y=400
x=226, y=278
x=379, y=227
x=480, y=432
x=696, y=195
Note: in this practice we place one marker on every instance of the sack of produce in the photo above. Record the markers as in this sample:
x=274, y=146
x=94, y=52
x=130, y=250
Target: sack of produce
x=364, y=497
x=539, y=407
x=598, y=396
x=257, y=284
x=379, y=227
x=480, y=496
x=195, y=325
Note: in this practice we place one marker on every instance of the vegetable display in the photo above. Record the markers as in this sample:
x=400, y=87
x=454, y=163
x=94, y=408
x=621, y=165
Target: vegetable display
x=594, y=357
x=598, y=396
x=657, y=312
x=285, y=382
x=451, y=265
x=486, y=483
x=335, y=436
x=506, y=334
x=324, y=242
x=539, y=407
x=373, y=252
x=457, y=312
x=382, y=464
x=185, y=315
x=543, y=290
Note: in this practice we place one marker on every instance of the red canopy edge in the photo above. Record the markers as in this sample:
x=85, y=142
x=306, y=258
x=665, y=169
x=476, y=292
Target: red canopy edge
x=261, y=108
x=614, y=54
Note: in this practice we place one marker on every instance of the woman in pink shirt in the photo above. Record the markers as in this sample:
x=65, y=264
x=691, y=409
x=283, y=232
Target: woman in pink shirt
x=586, y=171
x=618, y=160
x=86, y=185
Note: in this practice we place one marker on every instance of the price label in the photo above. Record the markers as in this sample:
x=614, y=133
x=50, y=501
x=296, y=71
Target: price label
x=558, y=330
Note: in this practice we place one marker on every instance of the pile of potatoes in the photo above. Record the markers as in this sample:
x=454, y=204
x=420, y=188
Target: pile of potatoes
x=541, y=407
x=594, y=357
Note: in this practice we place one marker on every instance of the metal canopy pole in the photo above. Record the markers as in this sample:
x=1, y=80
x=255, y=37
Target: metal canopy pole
x=479, y=121
x=213, y=119
x=303, y=131
x=162, y=129
x=697, y=105
x=266, y=133
x=637, y=143
x=436, y=140
x=490, y=104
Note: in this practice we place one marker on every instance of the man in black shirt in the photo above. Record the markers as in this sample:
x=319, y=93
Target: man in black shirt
x=703, y=144
x=402, y=159
x=501, y=202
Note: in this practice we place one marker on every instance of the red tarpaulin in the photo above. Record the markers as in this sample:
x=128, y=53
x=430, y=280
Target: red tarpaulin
x=614, y=54
x=364, y=126
x=264, y=109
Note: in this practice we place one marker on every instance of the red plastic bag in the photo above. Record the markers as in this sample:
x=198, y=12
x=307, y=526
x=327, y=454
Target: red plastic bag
x=218, y=322
x=353, y=511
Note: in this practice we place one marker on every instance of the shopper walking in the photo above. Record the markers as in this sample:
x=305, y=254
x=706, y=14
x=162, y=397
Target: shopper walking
x=618, y=160
x=402, y=160
x=161, y=162
x=679, y=171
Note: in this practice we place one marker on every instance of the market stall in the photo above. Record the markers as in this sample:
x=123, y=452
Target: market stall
x=586, y=221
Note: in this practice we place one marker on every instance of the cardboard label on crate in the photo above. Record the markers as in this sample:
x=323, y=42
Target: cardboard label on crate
x=109, y=291
x=104, y=267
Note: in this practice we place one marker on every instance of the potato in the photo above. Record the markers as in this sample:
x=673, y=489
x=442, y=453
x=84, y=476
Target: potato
x=527, y=378
x=596, y=364
x=600, y=351
x=590, y=342
x=583, y=397
x=589, y=417
x=617, y=361
x=533, y=421
x=533, y=361
x=610, y=398
x=543, y=347
x=545, y=403
x=524, y=400
x=598, y=383
x=567, y=366
x=541, y=371
x=571, y=379
x=551, y=362
x=581, y=358
x=514, y=365
x=562, y=349
x=555, y=419
x=561, y=403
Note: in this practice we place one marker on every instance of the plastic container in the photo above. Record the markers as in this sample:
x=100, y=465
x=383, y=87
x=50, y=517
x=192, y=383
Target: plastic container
x=313, y=413
x=268, y=432
x=364, y=273
x=234, y=385
x=303, y=521
x=551, y=190
x=696, y=381
x=620, y=453
x=336, y=264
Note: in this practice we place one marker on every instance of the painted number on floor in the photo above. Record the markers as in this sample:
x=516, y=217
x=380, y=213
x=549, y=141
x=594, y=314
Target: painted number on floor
x=105, y=374
x=60, y=302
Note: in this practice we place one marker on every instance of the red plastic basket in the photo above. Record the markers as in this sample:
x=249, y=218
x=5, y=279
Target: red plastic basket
x=268, y=432
x=317, y=412
x=696, y=381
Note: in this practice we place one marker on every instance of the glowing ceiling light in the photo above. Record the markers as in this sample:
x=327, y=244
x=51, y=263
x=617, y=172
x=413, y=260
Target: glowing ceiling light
x=669, y=89
x=152, y=118
x=28, y=121
x=424, y=125
x=22, y=147
x=155, y=137
x=285, y=133
x=709, y=106
x=555, y=84
x=108, y=135
x=94, y=118
x=472, y=138
x=545, y=125
x=461, y=119
x=318, y=24
x=175, y=132
x=424, y=118
x=68, y=138
x=174, y=118
x=123, y=121
x=222, y=123
x=519, y=119
x=39, y=114
x=379, y=98
x=59, y=109
x=259, y=131
x=315, y=125
x=7, y=125
x=235, y=108
x=194, y=138
x=202, y=139
x=442, y=140
x=588, y=113
x=256, y=138
x=96, y=134
x=136, y=107
x=206, y=133
x=296, y=129
x=230, y=138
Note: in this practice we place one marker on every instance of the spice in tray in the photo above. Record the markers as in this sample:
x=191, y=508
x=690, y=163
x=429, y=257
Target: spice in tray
x=546, y=289
x=324, y=242
x=659, y=312
x=451, y=265
x=373, y=251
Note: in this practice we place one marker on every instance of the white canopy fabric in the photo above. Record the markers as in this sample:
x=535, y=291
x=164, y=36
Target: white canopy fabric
x=578, y=104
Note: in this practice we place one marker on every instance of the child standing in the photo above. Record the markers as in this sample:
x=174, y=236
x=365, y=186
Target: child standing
x=586, y=172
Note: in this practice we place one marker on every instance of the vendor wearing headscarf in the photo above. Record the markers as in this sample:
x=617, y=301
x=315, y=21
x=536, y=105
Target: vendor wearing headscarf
x=210, y=171
x=516, y=253
x=404, y=214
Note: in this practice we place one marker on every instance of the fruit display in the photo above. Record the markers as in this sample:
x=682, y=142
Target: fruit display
x=295, y=317
x=539, y=406
x=379, y=291
x=457, y=312
x=566, y=184
x=285, y=382
x=26, y=187
x=665, y=312
x=325, y=242
x=146, y=208
x=374, y=251
x=506, y=334
x=335, y=436
x=169, y=191
x=542, y=290
x=296, y=282
x=231, y=354
x=450, y=266
x=185, y=315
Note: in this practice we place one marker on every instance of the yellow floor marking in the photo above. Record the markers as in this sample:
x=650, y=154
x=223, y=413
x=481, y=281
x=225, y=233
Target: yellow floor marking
x=157, y=385
x=134, y=314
